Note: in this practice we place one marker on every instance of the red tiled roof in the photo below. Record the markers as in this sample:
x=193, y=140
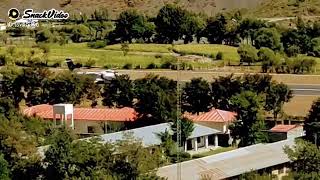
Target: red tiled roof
x=215, y=115
x=283, y=128
x=91, y=114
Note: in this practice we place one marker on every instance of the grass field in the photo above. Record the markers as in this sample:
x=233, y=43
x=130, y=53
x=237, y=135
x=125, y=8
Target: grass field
x=106, y=57
x=161, y=48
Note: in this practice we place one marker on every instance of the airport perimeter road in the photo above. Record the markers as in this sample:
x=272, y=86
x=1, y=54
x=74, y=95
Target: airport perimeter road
x=305, y=89
x=308, y=85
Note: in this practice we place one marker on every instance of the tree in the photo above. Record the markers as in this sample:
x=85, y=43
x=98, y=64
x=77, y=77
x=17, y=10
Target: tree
x=315, y=45
x=4, y=37
x=196, y=96
x=222, y=89
x=268, y=37
x=10, y=87
x=135, y=158
x=58, y=156
x=306, y=160
x=101, y=14
x=68, y=87
x=248, y=54
x=217, y=29
x=119, y=92
x=125, y=48
x=33, y=80
x=270, y=61
x=248, y=28
x=4, y=171
x=277, y=95
x=170, y=23
x=156, y=99
x=79, y=32
x=247, y=128
x=186, y=126
x=312, y=123
x=44, y=35
x=193, y=25
x=131, y=25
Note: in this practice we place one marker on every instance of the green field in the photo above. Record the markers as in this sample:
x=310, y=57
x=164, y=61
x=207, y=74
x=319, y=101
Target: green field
x=139, y=55
x=115, y=58
x=160, y=48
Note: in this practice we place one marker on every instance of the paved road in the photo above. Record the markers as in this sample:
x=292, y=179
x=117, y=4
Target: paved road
x=305, y=89
x=302, y=88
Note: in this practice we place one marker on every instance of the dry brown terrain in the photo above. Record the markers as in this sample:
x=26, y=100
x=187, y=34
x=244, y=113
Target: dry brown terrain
x=149, y=7
x=299, y=105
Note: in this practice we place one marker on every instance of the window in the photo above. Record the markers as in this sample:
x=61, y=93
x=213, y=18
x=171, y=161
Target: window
x=198, y=139
x=90, y=129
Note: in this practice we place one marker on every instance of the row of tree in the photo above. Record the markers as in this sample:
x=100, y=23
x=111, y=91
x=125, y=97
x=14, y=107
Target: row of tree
x=65, y=158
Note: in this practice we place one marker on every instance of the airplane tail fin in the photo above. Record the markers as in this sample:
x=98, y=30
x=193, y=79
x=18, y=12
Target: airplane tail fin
x=70, y=64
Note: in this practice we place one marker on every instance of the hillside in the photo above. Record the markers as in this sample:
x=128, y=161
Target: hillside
x=149, y=7
x=285, y=8
x=257, y=8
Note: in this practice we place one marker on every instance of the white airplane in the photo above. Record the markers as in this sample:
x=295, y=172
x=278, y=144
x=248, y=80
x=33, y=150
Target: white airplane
x=102, y=76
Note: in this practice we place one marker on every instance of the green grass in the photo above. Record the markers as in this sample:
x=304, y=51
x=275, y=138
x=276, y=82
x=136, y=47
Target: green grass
x=213, y=152
x=229, y=52
x=79, y=52
x=161, y=48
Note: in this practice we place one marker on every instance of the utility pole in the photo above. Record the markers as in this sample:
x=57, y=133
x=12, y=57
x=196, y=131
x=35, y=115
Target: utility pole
x=178, y=120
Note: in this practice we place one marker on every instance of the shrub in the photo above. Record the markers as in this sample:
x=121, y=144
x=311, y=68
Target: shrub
x=219, y=56
x=11, y=50
x=158, y=56
x=166, y=65
x=90, y=63
x=2, y=59
x=125, y=48
x=107, y=66
x=138, y=67
x=97, y=44
x=184, y=156
x=56, y=65
x=152, y=66
x=127, y=66
x=293, y=51
x=78, y=65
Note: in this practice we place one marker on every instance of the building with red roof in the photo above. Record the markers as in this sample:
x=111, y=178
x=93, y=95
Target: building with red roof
x=281, y=132
x=215, y=118
x=86, y=120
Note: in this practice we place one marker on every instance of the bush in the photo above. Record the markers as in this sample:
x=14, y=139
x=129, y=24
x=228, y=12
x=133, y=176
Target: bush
x=78, y=65
x=158, y=56
x=166, y=65
x=184, y=156
x=152, y=66
x=97, y=44
x=56, y=65
x=138, y=67
x=2, y=59
x=90, y=63
x=293, y=51
x=106, y=66
x=219, y=56
x=127, y=66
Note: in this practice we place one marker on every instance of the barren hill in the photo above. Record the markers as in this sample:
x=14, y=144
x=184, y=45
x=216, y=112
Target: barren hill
x=149, y=7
